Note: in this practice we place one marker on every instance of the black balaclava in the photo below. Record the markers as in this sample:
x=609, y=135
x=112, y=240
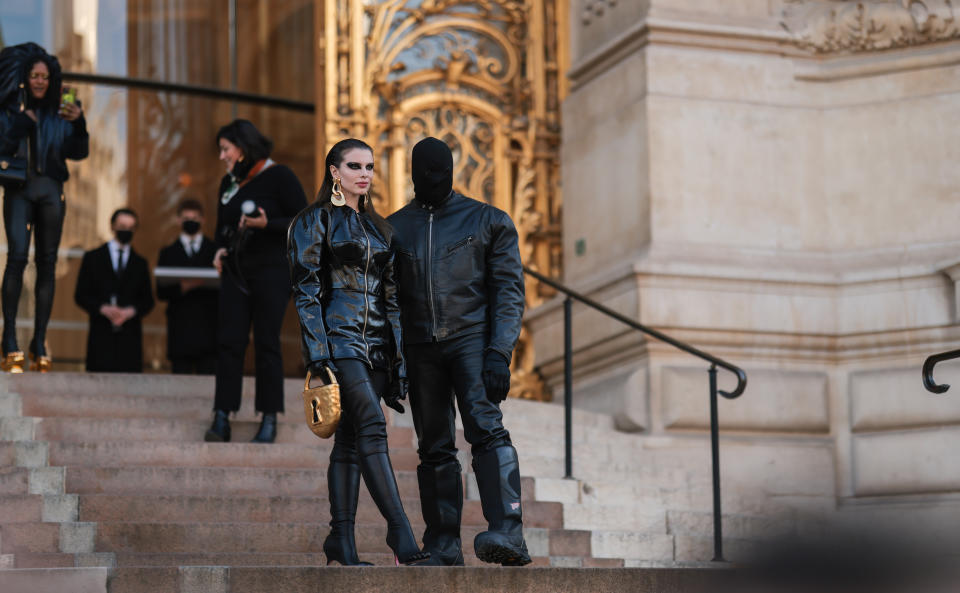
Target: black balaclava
x=432, y=171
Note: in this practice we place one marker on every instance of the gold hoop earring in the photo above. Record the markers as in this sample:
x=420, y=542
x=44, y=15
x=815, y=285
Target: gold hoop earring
x=336, y=197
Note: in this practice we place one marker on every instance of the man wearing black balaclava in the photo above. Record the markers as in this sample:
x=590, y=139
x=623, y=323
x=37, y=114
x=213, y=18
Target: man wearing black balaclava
x=461, y=298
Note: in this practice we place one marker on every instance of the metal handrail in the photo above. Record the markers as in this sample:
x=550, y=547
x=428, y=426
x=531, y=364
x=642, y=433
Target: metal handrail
x=740, y=374
x=931, y=362
x=190, y=89
x=715, y=362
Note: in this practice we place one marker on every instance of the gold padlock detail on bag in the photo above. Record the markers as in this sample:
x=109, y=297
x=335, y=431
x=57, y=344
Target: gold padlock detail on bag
x=4, y=165
x=321, y=405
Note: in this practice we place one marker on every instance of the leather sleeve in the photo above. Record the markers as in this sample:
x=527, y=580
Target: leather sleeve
x=305, y=242
x=505, y=286
x=76, y=144
x=391, y=296
x=13, y=127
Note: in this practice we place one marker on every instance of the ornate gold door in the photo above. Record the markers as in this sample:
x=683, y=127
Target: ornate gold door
x=485, y=76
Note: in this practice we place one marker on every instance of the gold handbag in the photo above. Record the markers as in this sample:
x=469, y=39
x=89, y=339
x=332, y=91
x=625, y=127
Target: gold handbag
x=322, y=406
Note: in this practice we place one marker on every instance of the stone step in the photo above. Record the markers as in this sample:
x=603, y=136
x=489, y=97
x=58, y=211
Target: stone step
x=38, y=538
x=54, y=580
x=21, y=508
x=14, y=480
x=107, y=405
x=231, y=481
x=412, y=579
x=44, y=560
x=164, y=429
x=188, y=454
x=177, y=396
x=737, y=526
x=283, y=509
x=631, y=545
x=123, y=384
x=650, y=519
x=238, y=537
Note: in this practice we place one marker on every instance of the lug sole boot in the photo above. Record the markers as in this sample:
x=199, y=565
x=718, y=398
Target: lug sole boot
x=498, y=477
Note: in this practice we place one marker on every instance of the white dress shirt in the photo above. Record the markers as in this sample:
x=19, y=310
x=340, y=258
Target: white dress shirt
x=116, y=251
x=191, y=244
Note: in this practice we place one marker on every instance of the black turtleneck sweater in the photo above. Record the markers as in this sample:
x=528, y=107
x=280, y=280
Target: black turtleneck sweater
x=278, y=191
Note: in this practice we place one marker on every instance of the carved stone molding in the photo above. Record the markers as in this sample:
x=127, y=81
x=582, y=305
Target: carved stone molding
x=594, y=9
x=829, y=26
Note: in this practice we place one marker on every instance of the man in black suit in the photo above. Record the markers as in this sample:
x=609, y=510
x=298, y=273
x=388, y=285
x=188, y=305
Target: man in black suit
x=192, y=308
x=114, y=288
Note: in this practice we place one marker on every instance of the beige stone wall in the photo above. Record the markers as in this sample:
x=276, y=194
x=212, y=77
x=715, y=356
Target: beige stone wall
x=785, y=195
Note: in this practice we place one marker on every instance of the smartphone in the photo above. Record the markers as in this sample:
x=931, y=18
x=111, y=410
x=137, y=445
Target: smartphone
x=68, y=97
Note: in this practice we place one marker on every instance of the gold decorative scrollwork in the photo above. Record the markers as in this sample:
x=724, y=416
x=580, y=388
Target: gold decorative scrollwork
x=482, y=75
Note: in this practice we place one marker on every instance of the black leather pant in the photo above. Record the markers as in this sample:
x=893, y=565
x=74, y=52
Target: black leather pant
x=363, y=427
x=263, y=308
x=37, y=207
x=439, y=373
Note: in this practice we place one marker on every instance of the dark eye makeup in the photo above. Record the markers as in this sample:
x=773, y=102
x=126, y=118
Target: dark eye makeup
x=358, y=166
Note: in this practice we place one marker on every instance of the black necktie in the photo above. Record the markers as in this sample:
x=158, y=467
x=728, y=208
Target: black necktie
x=121, y=261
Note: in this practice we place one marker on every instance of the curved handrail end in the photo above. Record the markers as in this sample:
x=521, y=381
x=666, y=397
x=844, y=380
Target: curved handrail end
x=928, y=382
x=741, y=384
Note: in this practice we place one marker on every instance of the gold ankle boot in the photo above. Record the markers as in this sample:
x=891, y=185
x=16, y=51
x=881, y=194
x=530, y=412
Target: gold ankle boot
x=40, y=364
x=12, y=362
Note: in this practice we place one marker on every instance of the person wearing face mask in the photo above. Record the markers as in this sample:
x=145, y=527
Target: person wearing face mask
x=192, y=306
x=39, y=131
x=257, y=200
x=461, y=298
x=114, y=288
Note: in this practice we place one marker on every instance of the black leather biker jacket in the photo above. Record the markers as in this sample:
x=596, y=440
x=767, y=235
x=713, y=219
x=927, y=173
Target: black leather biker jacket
x=459, y=271
x=344, y=288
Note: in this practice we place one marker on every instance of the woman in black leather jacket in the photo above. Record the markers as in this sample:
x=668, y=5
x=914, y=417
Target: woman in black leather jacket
x=346, y=296
x=34, y=125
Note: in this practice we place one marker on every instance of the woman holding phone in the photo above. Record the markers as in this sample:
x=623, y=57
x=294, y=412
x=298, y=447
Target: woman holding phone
x=45, y=128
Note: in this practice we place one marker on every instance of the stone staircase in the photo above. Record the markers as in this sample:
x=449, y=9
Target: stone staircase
x=110, y=472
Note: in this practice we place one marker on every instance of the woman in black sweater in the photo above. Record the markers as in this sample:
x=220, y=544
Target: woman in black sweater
x=258, y=199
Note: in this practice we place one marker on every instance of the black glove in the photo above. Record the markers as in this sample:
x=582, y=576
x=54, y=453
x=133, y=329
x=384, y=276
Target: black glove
x=496, y=376
x=318, y=368
x=398, y=391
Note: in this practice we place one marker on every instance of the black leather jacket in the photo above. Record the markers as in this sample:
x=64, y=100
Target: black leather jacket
x=344, y=288
x=55, y=140
x=459, y=272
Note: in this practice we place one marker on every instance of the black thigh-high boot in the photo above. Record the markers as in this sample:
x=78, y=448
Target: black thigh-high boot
x=441, y=501
x=343, y=482
x=378, y=475
x=498, y=478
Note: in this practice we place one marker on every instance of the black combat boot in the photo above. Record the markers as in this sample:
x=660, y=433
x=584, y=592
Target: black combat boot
x=441, y=501
x=498, y=477
x=343, y=483
x=219, y=431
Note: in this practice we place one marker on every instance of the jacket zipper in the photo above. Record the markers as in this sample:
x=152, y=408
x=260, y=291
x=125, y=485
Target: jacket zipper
x=366, y=302
x=433, y=309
